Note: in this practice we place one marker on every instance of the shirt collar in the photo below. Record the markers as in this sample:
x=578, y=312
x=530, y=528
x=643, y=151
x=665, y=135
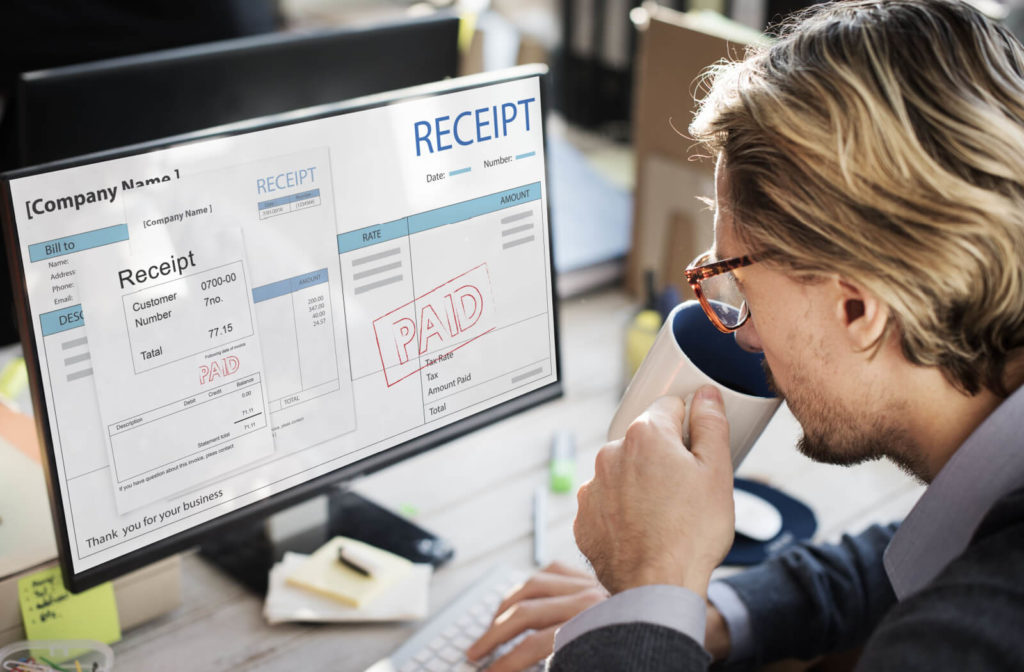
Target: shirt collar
x=988, y=466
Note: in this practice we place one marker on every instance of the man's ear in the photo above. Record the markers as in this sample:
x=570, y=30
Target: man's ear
x=862, y=314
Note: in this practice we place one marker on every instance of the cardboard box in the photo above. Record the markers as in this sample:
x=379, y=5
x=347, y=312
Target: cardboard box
x=674, y=49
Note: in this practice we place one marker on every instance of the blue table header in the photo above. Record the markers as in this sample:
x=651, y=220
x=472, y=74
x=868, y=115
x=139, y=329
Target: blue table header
x=289, y=285
x=285, y=200
x=458, y=212
x=58, y=247
x=64, y=319
x=371, y=235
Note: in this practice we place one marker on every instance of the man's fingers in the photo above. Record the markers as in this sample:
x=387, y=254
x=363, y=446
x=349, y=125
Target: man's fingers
x=664, y=415
x=545, y=585
x=709, y=430
x=534, y=648
x=536, y=614
x=565, y=570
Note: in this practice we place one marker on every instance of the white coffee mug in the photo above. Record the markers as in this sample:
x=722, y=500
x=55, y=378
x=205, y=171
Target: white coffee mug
x=689, y=353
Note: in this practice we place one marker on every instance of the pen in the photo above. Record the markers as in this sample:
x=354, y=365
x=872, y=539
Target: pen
x=345, y=558
x=540, y=519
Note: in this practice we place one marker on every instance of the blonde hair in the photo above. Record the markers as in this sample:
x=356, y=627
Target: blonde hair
x=883, y=140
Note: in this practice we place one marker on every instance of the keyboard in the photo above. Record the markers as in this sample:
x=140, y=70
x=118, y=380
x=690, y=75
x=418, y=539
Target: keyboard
x=440, y=645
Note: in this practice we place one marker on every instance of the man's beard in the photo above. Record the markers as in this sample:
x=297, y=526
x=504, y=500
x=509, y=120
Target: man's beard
x=834, y=435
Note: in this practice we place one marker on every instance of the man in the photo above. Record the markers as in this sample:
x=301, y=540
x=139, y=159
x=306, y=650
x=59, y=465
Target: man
x=870, y=214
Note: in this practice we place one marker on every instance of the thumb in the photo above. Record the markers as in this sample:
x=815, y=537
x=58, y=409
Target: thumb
x=709, y=430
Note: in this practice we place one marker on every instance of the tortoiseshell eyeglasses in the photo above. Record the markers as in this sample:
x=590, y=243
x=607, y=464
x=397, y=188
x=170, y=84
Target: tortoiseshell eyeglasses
x=718, y=290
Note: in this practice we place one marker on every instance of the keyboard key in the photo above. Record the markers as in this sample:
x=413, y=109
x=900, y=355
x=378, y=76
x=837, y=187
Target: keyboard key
x=461, y=642
x=423, y=656
x=450, y=655
x=450, y=631
x=437, y=665
x=438, y=643
x=466, y=667
x=410, y=666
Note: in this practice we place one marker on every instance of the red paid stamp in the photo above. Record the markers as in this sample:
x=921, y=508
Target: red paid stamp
x=218, y=369
x=441, y=321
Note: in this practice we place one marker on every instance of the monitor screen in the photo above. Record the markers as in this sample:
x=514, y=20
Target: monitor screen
x=220, y=328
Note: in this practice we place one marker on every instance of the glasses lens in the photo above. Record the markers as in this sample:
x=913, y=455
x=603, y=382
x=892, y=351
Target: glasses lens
x=725, y=298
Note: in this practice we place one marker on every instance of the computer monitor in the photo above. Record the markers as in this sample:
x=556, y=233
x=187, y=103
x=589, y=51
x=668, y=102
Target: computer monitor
x=219, y=328
x=79, y=109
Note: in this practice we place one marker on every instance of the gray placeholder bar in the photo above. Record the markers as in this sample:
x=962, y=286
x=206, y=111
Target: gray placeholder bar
x=74, y=343
x=374, y=271
x=374, y=257
x=522, y=214
x=528, y=374
x=379, y=283
x=79, y=374
x=513, y=243
x=517, y=229
x=77, y=358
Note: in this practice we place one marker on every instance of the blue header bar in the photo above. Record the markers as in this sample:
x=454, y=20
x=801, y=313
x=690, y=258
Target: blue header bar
x=474, y=208
x=371, y=235
x=289, y=285
x=58, y=247
x=64, y=319
x=285, y=200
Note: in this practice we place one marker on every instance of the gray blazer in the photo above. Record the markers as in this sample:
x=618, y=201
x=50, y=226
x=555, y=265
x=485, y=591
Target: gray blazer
x=816, y=600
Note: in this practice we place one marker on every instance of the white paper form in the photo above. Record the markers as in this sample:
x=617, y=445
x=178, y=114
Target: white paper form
x=177, y=362
x=445, y=275
x=285, y=207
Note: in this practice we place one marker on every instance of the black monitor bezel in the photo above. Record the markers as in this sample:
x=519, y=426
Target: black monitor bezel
x=161, y=548
x=180, y=63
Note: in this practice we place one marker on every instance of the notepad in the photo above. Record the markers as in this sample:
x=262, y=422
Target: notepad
x=406, y=600
x=322, y=573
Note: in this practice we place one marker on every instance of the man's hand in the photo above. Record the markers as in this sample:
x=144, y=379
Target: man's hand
x=655, y=512
x=545, y=602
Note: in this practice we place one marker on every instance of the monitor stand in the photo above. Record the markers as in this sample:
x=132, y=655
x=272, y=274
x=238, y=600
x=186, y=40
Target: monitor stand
x=247, y=551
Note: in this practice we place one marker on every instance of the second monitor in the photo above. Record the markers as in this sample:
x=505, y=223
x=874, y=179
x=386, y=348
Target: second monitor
x=80, y=109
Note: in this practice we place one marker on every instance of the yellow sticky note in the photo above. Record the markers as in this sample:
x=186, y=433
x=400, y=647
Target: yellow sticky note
x=323, y=573
x=467, y=26
x=49, y=611
x=13, y=378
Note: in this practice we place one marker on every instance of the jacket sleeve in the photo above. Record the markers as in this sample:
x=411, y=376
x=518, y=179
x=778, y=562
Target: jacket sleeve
x=808, y=601
x=812, y=600
x=631, y=646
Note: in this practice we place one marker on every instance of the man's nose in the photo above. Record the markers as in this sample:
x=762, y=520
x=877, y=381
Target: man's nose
x=747, y=337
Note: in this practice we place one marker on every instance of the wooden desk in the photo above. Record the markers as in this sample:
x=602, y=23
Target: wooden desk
x=477, y=492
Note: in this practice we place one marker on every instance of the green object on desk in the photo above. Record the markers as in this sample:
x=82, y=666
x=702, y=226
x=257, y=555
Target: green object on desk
x=49, y=611
x=562, y=464
x=563, y=475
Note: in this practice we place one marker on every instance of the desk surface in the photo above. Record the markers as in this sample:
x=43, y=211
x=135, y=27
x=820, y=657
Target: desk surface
x=484, y=507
